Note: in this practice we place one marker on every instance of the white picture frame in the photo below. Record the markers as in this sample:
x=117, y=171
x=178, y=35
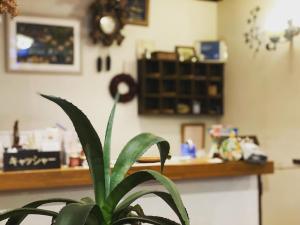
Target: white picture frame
x=69, y=58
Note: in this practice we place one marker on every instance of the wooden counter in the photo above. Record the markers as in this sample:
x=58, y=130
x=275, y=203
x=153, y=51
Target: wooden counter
x=62, y=178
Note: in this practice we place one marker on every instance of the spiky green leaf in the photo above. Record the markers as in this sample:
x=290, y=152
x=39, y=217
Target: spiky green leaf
x=90, y=143
x=16, y=220
x=79, y=214
x=133, y=197
x=25, y=212
x=133, y=150
x=107, y=146
x=87, y=200
x=136, y=210
x=140, y=177
x=155, y=220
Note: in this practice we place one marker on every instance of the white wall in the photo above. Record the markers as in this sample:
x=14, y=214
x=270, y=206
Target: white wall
x=262, y=98
x=172, y=22
x=221, y=201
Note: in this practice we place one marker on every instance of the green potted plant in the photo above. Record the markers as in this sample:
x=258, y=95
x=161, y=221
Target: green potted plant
x=112, y=205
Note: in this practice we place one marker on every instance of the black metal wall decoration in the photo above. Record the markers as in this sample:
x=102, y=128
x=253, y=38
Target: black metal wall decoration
x=254, y=35
x=107, y=21
x=127, y=80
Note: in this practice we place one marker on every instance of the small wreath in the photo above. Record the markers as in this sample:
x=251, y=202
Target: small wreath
x=129, y=81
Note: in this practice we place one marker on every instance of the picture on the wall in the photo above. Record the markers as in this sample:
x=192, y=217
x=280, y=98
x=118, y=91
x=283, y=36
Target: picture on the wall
x=37, y=44
x=194, y=132
x=138, y=12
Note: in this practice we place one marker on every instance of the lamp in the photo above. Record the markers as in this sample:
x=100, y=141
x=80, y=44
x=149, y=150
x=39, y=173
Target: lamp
x=282, y=25
x=287, y=35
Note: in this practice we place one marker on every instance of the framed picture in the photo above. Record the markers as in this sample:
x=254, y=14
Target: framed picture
x=185, y=53
x=38, y=44
x=212, y=50
x=138, y=12
x=194, y=132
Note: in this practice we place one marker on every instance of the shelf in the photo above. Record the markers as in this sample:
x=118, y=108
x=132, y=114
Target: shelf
x=215, y=78
x=215, y=97
x=200, y=78
x=151, y=67
x=168, y=94
x=180, y=82
x=183, y=96
x=64, y=178
x=200, y=69
x=173, y=77
x=152, y=103
x=168, y=111
x=152, y=85
x=185, y=75
x=153, y=75
x=168, y=68
x=152, y=95
x=200, y=97
x=151, y=112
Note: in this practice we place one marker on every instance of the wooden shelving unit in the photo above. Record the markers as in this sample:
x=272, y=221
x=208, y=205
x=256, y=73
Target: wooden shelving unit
x=179, y=88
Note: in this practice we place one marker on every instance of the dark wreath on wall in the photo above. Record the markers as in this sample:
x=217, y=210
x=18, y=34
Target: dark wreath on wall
x=107, y=22
x=129, y=82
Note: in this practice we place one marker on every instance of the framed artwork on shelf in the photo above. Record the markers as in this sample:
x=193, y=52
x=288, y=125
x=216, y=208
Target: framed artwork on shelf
x=212, y=50
x=138, y=12
x=194, y=132
x=39, y=44
x=185, y=53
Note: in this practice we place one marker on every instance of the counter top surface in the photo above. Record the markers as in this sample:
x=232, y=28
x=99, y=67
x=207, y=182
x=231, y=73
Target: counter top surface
x=78, y=177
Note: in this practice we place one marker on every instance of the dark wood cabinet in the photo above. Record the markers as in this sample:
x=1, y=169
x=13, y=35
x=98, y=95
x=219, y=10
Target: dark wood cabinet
x=180, y=88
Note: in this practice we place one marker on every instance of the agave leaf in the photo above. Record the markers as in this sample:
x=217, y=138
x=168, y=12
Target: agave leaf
x=133, y=150
x=147, y=219
x=133, y=197
x=140, y=177
x=137, y=209
x=107, y=146
x=87, y=200
x=16, y=220
x=90, y=143
x=128, y=212
x=25, y=212
x=79, y=214
x=165, y=221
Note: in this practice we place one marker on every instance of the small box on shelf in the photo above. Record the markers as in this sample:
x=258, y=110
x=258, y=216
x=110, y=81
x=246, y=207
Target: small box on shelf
x=215, y=89
x=184, y=106
x=162, y=55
